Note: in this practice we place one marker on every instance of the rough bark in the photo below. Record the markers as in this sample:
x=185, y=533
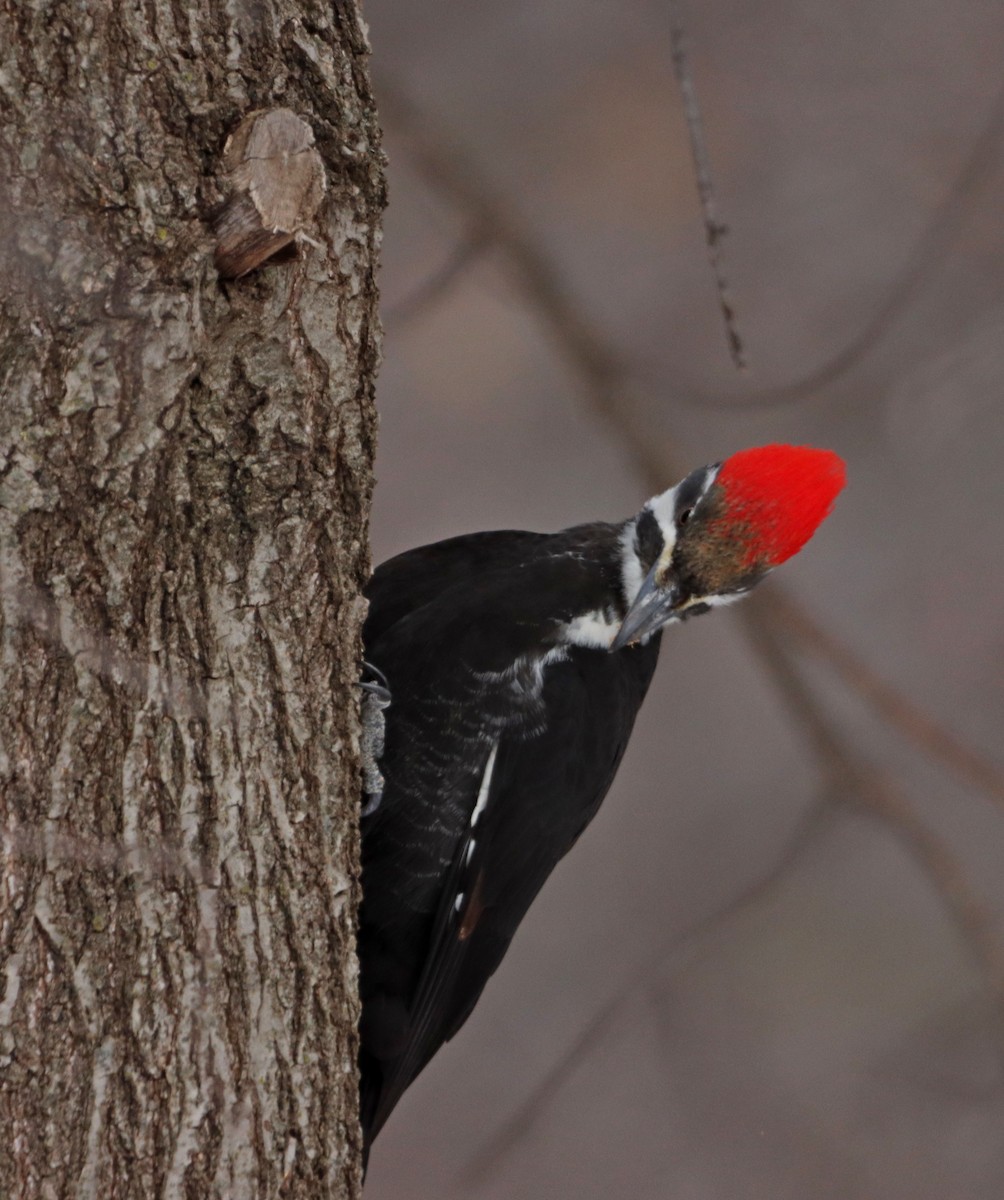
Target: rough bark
x=184, y=489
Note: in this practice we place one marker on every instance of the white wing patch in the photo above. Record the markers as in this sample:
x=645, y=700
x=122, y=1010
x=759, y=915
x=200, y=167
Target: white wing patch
x=479, y=807
x=663, y=508
x=526, y=675
x=486, y=784
x=720, y=601
x=595, y=630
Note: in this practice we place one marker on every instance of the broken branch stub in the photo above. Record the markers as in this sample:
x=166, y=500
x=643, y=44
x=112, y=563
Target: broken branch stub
x=275, y=178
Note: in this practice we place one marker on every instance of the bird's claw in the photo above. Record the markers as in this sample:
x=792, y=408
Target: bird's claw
x=376, y=697
x=377, y=688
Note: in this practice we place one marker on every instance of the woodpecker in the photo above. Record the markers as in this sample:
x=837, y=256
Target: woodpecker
x=516, y=664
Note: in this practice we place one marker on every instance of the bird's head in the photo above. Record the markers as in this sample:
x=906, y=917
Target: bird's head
x=715, y=535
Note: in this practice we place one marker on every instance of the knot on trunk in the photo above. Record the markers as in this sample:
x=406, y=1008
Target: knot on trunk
x=276, y=182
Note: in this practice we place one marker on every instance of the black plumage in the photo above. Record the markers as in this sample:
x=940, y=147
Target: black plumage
x=469, y=633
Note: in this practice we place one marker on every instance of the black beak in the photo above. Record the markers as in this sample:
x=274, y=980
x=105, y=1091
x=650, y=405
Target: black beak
x=652, y=608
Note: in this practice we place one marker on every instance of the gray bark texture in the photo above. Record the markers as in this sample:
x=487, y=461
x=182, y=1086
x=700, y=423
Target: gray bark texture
x=185, y=474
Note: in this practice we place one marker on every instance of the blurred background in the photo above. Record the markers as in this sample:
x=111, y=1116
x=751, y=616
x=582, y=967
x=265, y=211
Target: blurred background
x=755, y=976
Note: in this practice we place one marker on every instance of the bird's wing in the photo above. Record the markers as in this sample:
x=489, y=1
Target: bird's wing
x=406, y=583
x=534, y=797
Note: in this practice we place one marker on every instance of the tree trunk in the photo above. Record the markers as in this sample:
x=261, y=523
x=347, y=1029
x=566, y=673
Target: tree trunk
x=185, y=472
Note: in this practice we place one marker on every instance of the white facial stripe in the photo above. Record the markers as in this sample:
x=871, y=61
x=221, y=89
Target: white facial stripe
x=663, y=508
x=721, y=600
x=712, y=601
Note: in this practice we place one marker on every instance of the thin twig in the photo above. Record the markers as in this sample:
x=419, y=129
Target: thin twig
x=927, y=252
x=873, y=791
x=714, y=229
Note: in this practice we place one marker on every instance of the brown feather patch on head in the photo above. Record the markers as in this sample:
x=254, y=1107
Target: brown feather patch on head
x=763, y=507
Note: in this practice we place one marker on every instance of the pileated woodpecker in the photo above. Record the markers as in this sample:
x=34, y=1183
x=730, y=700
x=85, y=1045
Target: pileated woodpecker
x=517, y=663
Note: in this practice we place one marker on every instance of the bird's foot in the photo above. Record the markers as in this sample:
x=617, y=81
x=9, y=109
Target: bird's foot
x=376, y=697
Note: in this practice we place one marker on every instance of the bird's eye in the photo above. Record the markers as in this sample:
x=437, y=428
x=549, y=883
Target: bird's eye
x=685, y=516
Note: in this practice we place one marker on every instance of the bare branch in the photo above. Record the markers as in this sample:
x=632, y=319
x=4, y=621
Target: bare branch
x=714, y=229
x=925, y=255
x=581, y=343
x=897, y=710
x=485, y=1160
x=927, y=252
x=439, y=282
x=871, y=790
x=973, y=918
